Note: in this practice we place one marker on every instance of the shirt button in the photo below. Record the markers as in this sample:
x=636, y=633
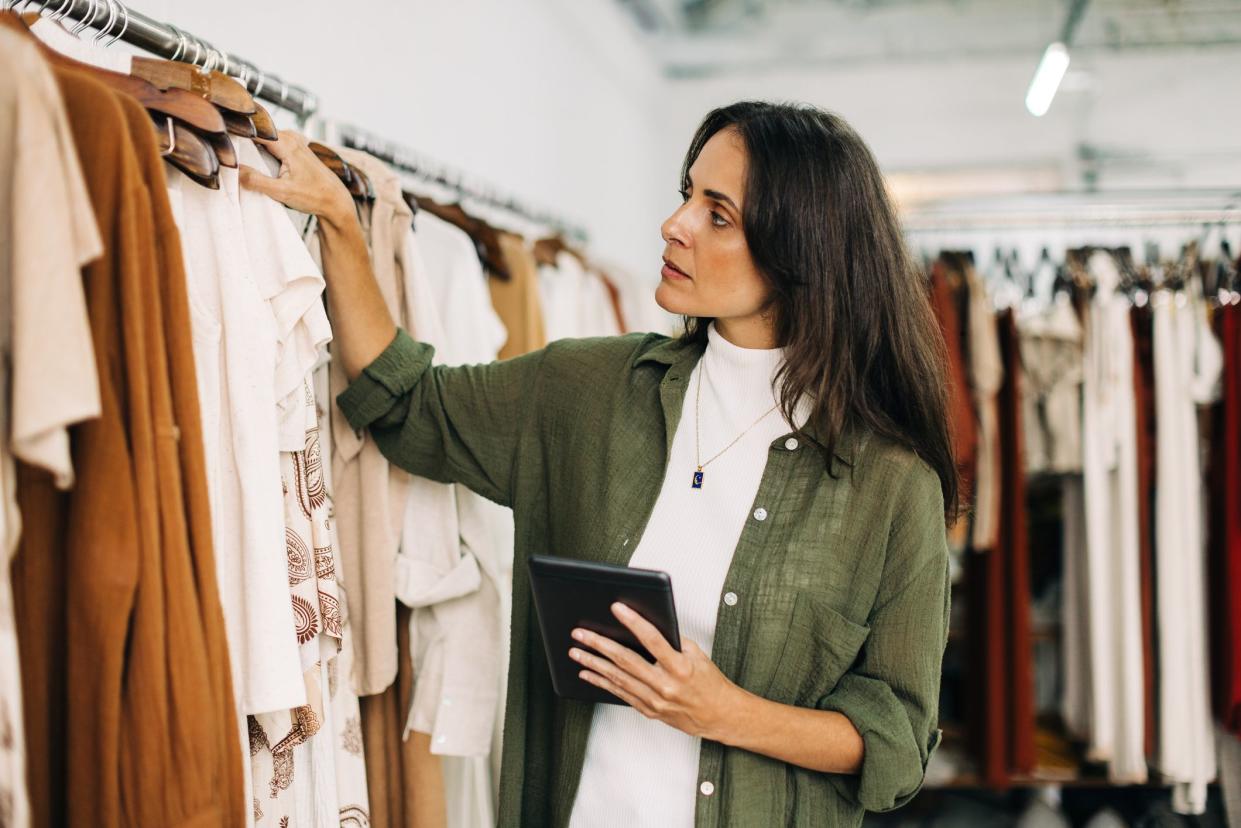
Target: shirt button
x=791, y=444
x=730, y=598
x=441, y=740
x=706, y=788
x=760, y=513
x=447, y=702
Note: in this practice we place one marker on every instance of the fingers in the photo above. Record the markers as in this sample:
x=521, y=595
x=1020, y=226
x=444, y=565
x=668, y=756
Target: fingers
x=619, y=654
x=284, y=146
x=252, y=179
x=645, y=632
x=634, y=688
x=618, y=691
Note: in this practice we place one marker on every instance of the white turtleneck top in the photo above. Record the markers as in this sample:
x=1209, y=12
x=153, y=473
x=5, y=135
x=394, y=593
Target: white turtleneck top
x=640, y=772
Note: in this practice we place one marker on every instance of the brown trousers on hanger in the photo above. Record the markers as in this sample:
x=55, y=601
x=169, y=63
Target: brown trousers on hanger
x=405, y=781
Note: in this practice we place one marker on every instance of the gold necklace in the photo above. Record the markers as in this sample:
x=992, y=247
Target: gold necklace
x=697, y=484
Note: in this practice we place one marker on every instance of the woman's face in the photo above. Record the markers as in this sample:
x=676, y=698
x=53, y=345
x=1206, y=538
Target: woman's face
x=708, y=270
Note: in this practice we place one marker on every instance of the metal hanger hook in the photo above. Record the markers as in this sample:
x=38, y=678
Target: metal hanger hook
x=181, y=44
x=113, y=14
x=60, y=13
x=172, y=139
x=124, y=26
x=85, y=22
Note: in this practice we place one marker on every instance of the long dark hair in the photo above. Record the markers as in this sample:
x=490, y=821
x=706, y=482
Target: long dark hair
x=848, y=304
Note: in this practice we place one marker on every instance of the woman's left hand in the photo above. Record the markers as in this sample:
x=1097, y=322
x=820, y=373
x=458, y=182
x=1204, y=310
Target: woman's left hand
x=682, y=689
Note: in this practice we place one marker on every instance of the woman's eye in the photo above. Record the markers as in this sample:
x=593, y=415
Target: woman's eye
x=684, y=194
x=717, y=219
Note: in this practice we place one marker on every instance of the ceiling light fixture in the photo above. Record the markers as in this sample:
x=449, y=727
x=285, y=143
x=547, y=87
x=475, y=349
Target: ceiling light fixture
x=1054, y=64
x=1047, y=79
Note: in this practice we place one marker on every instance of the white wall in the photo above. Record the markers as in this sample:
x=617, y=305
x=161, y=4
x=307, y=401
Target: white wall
x=558, y=103
x=548, y=100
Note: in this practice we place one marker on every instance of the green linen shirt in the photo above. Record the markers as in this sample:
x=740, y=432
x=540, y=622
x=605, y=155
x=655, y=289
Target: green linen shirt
x=843, y=581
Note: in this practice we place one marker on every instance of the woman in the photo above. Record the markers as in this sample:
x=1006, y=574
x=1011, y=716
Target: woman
x=787, y=460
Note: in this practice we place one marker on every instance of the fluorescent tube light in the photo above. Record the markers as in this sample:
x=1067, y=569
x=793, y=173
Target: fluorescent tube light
x=1047, y=79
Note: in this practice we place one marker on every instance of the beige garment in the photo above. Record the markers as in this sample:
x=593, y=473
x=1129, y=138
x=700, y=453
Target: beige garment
x=986, y=376
x=370, y=493
x=516, y=299
x=1051, y=387
x=307, y=763
x=47, y=360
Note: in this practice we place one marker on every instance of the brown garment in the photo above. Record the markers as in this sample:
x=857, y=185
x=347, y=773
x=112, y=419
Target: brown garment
x=516, y=299
x=116, y=677
x=962, y=429
x=1014, y=556
x=1001, y=690
x=404, y=779
x=1142, y=322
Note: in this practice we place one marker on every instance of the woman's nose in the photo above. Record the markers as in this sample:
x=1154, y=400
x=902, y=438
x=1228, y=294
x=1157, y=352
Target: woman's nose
x=673, y=229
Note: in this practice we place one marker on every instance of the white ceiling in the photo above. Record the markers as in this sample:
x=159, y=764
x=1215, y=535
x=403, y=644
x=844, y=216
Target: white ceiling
x=699, y=38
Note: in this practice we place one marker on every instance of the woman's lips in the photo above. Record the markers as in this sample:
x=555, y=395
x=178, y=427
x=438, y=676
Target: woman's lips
x=672, y=272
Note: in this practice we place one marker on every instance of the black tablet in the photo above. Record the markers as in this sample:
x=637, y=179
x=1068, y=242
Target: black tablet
x=570, y=594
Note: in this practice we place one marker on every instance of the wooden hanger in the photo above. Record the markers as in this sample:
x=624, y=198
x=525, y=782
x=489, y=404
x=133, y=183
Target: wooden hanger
x=346, y=172
x=216, y=87
x=187, y=151
x=545, y=250
x=263, y=123
x=188, y=111
x=238, y=124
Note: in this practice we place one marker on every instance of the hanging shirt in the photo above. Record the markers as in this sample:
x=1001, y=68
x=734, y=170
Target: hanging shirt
x=48, y=377
x=234, y=276
x=1188, y=363
x=1110, y=476
x=475, y=335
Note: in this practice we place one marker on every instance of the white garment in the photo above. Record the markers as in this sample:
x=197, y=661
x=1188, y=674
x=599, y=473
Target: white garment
x=597, y=313
x=1111, y=490
x=1188, y=363
x=474, y=330
x=453, y=629
x=560, y=294
x=575, y=301
x=475, y=335
x=48, y=378
x=637, y=771
x=252, y=306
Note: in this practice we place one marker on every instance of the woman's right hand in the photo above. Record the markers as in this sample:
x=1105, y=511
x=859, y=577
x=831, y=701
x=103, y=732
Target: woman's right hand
x=305, y=183
x=362, y=327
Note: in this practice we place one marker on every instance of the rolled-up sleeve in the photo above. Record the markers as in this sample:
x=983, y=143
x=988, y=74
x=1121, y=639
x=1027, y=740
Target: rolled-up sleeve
x=891, y=695
x=456, y=424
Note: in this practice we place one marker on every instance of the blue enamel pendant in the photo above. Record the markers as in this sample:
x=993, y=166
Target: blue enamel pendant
x=698, y=479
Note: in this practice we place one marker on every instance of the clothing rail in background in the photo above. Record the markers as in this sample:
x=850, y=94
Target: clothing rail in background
x=113, y=19
x=1135, y=209
x=410, y=162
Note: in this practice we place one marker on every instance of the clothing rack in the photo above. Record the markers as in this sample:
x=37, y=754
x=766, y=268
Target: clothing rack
x=1134, y=209
x=408, y=161
x=113, y=19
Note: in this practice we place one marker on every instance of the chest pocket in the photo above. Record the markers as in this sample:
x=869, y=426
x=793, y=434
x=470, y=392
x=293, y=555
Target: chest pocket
x=820, y=648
